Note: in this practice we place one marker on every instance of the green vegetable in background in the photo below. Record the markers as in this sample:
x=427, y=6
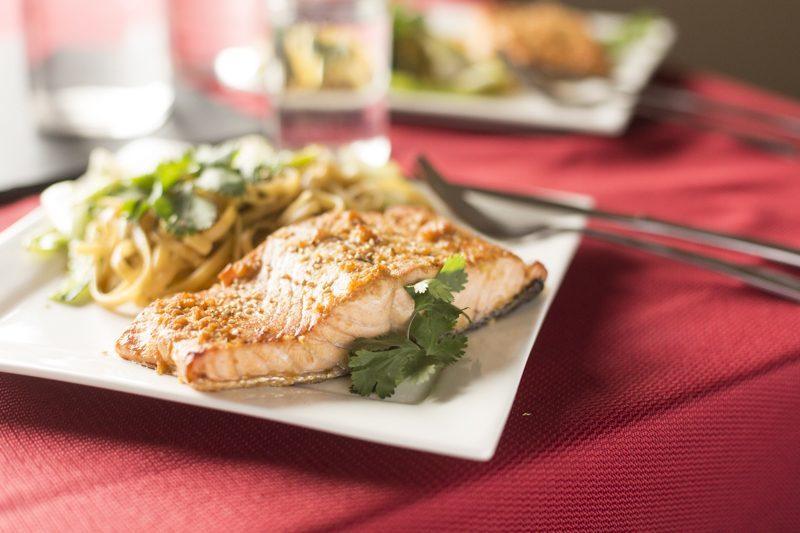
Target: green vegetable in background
x=379, y=365
x=408, y=54
x=632, y=29
x=424, y=61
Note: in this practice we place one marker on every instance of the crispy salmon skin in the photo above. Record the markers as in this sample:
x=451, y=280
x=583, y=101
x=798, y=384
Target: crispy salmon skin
x=288, y=311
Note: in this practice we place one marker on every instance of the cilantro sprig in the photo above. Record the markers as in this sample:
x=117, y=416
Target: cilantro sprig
x=178, y=191
x=430, y=342
x=173, y=191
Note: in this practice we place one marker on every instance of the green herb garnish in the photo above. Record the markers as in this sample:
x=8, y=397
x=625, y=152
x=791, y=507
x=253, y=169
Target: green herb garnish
x=430, y=342
x=134, y=208
x=185, y=212
x=171, y=191
x=215, y=156
x=170, y=173
x=48, y=242
x=633, y=28
x=182, y=192
x=75, y=289
x=221, y=180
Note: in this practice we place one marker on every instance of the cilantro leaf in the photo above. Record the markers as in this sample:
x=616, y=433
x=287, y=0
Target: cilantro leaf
x=221, y=180
x=169, y=191
x=452, y=274
x=379, y=365
x=170, y=173
x=191, y=213
x=433, y=321
x=185, y=212
x=144, y=182
x=134, y=208
x=451, y=278
x=439, y=290
x=381, y=371
x=448, y=348
x=161, y=204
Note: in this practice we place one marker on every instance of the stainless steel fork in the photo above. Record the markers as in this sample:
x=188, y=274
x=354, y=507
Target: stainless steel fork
x=767, y=279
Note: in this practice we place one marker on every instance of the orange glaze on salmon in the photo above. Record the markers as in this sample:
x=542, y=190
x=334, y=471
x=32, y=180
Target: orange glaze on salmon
x=289, y=310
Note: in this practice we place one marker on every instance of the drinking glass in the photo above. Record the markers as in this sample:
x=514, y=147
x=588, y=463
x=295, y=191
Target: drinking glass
x=328, y=75
x=99, y=68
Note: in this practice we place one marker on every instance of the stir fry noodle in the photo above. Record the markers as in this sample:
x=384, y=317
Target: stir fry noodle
x=135, y=239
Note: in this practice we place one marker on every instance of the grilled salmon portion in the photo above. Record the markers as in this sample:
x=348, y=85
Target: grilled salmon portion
x=288, y=311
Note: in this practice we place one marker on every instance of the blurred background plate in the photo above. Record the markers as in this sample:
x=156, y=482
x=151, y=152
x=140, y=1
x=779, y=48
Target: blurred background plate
x=592, y=105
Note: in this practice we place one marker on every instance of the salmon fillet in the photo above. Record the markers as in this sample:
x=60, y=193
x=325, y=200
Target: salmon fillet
x=288, y=311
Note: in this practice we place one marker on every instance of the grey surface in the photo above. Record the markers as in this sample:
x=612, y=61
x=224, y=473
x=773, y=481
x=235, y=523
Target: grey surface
x=753, y=40
x=30, y=159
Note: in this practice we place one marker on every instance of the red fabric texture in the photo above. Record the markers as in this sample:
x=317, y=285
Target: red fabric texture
x=658, y=396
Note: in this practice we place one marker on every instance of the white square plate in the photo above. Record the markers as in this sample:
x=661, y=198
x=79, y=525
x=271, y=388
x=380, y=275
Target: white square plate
x=462, y=414
x=534, y=108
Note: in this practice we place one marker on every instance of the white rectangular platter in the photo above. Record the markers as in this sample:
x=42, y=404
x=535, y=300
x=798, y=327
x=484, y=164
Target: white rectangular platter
x=533, y=108
x=462, y=414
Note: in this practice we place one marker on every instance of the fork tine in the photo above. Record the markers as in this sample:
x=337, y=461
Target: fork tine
x=763, y=278
x=452, y=196
x=771, y=251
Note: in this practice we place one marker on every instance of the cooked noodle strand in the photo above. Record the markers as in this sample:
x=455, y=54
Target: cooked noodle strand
x=138, y=261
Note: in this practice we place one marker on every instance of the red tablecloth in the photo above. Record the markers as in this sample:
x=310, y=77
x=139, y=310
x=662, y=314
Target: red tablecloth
x=657, y=397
